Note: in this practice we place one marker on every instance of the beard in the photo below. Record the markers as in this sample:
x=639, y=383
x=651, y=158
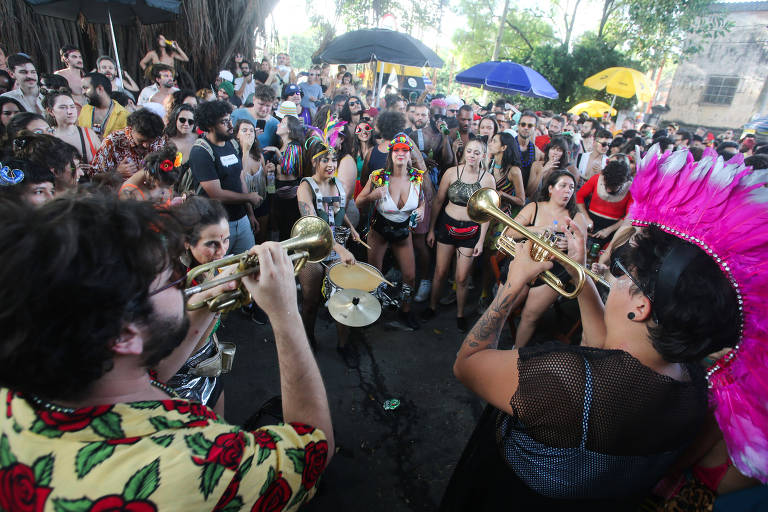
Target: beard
x=224, y=135
x=165, y=334
x=94, y=99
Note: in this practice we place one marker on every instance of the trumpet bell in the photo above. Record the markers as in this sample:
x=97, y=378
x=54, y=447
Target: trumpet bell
x=482, y=203
x=315, y=237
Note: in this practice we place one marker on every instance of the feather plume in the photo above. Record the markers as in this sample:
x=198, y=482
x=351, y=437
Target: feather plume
x=723, y=208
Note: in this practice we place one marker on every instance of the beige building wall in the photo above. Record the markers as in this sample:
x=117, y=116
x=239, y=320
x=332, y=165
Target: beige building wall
x=741, y=54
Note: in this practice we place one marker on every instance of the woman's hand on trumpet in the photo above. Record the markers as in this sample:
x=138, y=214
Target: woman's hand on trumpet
x=523, y=268
x=577, y=247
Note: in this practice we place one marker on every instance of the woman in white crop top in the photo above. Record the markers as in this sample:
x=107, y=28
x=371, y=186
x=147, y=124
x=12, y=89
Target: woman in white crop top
x=399, y=206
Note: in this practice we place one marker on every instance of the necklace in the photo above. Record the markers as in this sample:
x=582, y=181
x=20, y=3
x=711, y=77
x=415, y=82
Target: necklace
x=48, y=406
x=527, y=160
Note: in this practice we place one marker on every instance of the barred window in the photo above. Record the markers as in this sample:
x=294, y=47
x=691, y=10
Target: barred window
x=720, y=89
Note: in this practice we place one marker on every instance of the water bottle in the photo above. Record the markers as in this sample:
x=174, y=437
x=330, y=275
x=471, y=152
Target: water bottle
x=271, y=182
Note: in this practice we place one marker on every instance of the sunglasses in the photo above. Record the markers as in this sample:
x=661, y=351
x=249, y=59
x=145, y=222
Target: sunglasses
x=527, y=125
x=454, y=110
x=178, y=276
x=187, y=120
x=605, y=143
x=353, y=103
x=618, y=270
x=363, y=127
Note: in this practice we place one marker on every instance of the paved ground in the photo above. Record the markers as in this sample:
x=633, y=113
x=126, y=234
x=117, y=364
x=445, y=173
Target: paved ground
x=397, y=460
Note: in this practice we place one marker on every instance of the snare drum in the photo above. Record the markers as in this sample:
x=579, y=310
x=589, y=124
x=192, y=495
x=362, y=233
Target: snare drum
x=341, y=276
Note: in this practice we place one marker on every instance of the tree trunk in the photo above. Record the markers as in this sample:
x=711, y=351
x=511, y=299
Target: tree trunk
x=500, y=33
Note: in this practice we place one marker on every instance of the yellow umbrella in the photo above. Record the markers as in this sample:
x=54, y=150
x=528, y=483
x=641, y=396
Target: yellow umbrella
x=593, y=108
x=624, y=82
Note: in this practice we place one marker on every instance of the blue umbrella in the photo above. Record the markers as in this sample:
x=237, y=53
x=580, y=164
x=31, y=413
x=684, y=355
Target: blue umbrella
x=507, y=78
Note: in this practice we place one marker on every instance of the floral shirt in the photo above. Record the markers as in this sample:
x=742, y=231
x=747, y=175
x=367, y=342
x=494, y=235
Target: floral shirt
x=151, y=456
x=119, y=146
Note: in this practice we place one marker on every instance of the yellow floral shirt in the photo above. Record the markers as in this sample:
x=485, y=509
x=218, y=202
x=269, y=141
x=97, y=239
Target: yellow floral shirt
x=151, y=456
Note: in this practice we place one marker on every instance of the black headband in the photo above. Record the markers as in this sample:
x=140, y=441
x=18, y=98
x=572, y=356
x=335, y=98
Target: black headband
x=672, y=268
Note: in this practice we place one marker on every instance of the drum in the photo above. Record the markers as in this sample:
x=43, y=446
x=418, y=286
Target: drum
x=340, y=276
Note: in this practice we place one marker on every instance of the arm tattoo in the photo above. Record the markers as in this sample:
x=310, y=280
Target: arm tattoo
x=304, y=209
x=485, y=333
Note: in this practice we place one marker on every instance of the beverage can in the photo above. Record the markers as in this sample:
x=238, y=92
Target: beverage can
x=412, y=220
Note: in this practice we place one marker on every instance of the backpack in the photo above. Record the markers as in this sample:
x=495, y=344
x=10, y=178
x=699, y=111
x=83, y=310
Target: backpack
x=188, y=184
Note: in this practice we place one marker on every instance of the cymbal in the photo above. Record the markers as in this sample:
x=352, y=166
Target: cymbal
x=354, y=308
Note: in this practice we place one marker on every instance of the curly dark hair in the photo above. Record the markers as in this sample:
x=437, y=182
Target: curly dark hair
x=33, y=174
x=177, y=98
x=46, y=151
x=550, y=181
x=210, y=112
x=346, y=112
x=73, y=254
x=196, y=213
x=615, y=174
x=702, y=314
x=147, y=123
x=171, y=129
x=389, y=123
x=154, y=161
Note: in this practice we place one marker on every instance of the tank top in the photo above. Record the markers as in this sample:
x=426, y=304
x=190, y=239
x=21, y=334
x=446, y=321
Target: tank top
x=387, y=207
x=460, y=192
x=377, y=160
x=324, y=205
x=527, y=158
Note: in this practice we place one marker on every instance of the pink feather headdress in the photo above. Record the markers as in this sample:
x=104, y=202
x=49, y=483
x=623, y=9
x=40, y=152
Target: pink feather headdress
x=722, y=207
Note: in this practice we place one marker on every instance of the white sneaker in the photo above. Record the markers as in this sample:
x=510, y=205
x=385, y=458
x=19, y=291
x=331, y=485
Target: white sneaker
x=425, y=286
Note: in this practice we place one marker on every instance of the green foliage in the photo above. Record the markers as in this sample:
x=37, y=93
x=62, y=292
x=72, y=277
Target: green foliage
x=524, y=31
x=412, y=17
x=301, y=47
x=656, y=30
x=567, y=72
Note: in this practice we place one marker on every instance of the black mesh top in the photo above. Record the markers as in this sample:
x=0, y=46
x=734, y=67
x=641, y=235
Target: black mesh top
x=596, y=423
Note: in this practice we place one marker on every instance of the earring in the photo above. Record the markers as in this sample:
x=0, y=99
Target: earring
x=631, y=316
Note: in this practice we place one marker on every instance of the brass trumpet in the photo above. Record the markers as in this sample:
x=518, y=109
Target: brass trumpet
x=484, y=206
x=311, y=240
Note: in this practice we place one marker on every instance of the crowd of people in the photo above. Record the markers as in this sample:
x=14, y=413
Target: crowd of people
x=112, y=192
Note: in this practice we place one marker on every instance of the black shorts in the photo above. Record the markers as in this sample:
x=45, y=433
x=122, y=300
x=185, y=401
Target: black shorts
x=459, y=233
x=389, y=230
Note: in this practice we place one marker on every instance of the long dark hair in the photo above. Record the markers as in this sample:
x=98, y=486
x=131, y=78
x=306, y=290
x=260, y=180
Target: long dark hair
x=350, y=144
x=255, y=150
x=511, y=156
x=346, y=113
x=295, y=131
x=171, y=129
x=557, y=142
x=550, y=181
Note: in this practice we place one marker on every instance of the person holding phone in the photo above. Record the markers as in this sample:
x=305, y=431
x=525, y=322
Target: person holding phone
x=555, y=157
x=260, y=115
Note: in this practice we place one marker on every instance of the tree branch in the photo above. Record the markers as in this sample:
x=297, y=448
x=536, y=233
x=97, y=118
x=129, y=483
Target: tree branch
x=520, y=33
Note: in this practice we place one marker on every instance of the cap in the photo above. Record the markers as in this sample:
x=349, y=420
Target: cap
x=372, y=112
x=226, y=75
x=228, y=88
x=290, y=90
x=287, y=108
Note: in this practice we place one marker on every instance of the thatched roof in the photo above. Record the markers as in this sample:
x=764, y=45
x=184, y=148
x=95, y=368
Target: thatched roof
x=209, y=31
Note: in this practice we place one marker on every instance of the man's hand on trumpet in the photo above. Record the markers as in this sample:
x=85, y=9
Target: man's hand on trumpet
x=273, y=287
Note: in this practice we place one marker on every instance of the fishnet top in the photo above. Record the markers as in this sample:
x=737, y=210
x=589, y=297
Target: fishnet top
x=596, y=423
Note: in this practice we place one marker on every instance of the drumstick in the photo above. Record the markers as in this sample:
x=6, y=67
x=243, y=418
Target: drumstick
x=376, y=274
x=363, y=243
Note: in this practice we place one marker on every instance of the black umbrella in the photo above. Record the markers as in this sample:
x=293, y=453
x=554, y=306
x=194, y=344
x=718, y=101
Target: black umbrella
x=379, y=44
x=121, y=12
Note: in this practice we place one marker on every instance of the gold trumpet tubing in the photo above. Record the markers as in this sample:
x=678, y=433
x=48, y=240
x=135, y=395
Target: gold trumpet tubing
x=507, y=245
x=252, y=267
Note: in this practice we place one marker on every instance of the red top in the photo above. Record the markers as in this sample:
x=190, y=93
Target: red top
x=599, y=206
